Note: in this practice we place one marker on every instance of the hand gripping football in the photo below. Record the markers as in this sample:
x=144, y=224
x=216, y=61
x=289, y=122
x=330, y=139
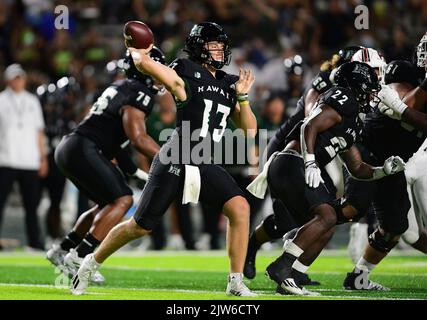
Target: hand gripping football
x=137, y=35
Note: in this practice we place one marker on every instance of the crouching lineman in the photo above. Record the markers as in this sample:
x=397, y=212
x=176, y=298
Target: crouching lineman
x=276, y=225
x=410, y=109
x=296, y=175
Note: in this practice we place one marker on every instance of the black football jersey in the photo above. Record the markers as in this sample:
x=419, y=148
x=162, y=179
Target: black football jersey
x=341, y=136
x=210, y=100
x=321, y=84
x=386, y=137
x=103, y=124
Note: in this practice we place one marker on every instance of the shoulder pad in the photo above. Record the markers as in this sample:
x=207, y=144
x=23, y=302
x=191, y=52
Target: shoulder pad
x=321, y=82
x=342, y=100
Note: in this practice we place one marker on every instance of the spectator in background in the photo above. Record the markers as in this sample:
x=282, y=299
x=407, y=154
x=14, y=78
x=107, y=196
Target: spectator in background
x=22, y=148
x=273, y=114
x=294, y=69
x=399, y=48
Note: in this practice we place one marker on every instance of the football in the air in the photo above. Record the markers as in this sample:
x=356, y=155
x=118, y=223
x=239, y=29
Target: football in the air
x=137, y=35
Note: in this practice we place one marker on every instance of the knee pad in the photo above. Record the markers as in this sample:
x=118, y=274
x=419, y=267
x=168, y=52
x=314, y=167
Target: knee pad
x=338, y=205
x=410, y=236
x=383, y=243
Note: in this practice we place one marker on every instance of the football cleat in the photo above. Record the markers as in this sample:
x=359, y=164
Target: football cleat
x=303, y=279
x=81, y=280
x=360, y=281
x=56, y=256
x=249, y=270
x=281, y=268
x=303, y=291
x=72, y=263
x=236, y=287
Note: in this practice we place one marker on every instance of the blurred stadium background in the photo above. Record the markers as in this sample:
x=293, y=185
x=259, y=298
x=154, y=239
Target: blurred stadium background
x=283, y=41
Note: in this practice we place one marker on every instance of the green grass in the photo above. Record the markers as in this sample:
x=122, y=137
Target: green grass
x=201, y=275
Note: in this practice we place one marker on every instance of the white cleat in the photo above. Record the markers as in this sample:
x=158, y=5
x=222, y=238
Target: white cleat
x=289, y=285
x=81, y=280
x=72, y=263
x=236, y=287
x=56, y=255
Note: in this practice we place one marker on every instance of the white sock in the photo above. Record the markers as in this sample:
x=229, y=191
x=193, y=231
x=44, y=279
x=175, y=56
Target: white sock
x=293, y=249
x=235, y=276
x=298, y=266
x=363, y=265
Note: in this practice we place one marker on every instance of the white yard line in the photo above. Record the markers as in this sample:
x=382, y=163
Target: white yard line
x=261, y=293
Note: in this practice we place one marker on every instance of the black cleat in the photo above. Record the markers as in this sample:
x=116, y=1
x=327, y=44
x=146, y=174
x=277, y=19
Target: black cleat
x=281, y=268
x=360, y=281
x=249, y=270
x=303, y=279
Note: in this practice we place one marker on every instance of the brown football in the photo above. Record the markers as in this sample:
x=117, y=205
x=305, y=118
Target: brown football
x=137, y=35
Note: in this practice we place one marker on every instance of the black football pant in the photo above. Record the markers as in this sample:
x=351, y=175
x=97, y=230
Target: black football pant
x=29, y=187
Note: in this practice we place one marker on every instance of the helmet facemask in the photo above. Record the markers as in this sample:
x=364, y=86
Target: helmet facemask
x=197, y=42
x=422, y=52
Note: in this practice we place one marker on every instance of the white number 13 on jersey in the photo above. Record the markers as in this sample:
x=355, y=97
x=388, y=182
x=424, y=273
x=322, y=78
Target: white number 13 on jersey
x=217, y=133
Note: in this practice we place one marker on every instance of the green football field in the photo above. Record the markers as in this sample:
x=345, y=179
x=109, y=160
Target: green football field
x=202, y=275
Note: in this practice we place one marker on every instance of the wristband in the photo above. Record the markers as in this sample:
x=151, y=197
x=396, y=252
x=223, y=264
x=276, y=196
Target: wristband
x=242, y=97
x=244, y=103
x=309, y=157
x=378, y=173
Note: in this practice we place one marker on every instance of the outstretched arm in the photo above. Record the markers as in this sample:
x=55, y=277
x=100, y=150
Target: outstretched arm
x=411, y=110
x=164, y=74
x=360, y=170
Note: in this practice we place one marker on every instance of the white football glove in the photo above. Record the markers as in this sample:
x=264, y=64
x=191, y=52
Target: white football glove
x=391, y=99
x=141, y=174
x=393, y=165
x=388, y=112
x=313, y=175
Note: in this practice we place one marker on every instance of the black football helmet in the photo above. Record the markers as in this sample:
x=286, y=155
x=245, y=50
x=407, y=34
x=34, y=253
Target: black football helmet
x=361, y=79
x=132, y=72
x=201, y=34
x=347, y=53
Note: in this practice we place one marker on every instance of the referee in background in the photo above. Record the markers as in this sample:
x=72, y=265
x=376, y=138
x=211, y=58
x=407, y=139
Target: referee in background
x=22, y=149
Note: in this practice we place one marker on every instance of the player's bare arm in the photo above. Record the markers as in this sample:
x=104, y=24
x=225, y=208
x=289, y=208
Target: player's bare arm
x=164, y=74
x=318, y=121
x=363, y=171
x=134, y=126
x=310, y=100
x=243, y=116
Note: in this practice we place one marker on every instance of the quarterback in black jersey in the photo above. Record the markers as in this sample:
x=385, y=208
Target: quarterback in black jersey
x=206, y=98
x=295, y=175
x=84, y=156
x=280, y=222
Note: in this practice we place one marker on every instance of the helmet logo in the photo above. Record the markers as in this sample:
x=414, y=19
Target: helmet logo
x=196, y=31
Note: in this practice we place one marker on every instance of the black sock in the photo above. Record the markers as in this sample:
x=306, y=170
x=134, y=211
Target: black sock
x=71, y=241
x=88, y=245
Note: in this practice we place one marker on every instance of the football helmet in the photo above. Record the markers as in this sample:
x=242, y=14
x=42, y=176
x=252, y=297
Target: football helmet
x=200, y=35
x=132, y=72
x=373, y=58
x=422, y=52
x=347, y=53
x=361, y=79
